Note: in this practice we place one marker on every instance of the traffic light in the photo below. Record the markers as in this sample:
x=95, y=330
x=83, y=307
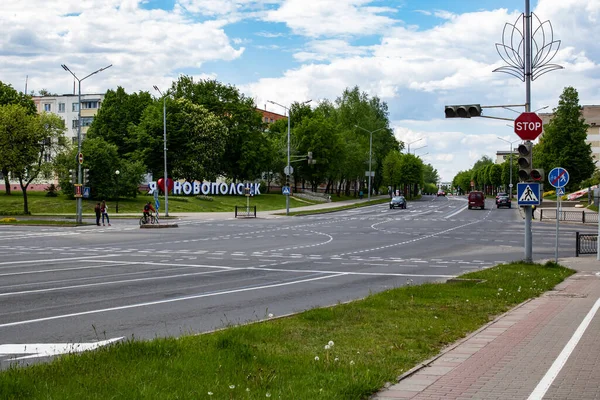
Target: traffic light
x=86, y=177
x=73, y=175
x=463, y=111
x=525, y=161
x=537, y=175
x=309, y=158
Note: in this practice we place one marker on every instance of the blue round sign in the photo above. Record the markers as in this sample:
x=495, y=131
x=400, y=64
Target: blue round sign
x=558, y=177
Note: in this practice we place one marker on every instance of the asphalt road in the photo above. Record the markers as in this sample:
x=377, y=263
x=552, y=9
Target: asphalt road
x=85, y=284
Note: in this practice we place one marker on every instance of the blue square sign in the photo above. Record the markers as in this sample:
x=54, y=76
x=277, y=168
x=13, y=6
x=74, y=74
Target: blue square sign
x=528, y=194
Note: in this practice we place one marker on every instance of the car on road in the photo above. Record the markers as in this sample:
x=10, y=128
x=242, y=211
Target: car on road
x=476, y=200
x=441, y=193
x=503, y=201
x=500, y=194
x=398, y=202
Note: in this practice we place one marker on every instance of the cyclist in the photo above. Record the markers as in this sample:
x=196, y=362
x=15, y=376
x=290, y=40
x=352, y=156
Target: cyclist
x=147, y=210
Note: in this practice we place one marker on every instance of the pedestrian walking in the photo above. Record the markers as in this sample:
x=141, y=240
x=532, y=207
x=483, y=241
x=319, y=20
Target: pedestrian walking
x=98, y=212
x=104, y=210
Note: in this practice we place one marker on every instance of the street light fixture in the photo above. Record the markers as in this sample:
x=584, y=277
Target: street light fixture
x=418, y=148
x=166, y=179
x=370, y=152
x=408, y=145
x=511, y=162
x=79, y=201
x=288, y=172
x=117, y=172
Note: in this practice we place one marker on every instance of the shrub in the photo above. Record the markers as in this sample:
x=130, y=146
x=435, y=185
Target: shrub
x=204, y=198
x=52, y=190
x=8, y=220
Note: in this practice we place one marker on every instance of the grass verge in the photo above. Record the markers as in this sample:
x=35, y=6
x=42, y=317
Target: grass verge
x=340, y=208
x=370, y=342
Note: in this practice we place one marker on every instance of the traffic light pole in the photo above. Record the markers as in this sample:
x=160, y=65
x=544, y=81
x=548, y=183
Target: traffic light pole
x=527, y=57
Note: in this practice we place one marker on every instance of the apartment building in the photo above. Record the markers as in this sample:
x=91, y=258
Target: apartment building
x=269, y=117
x=67, y=107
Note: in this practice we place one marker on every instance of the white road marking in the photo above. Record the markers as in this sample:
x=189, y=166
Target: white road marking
x=50, y=349
x=542, y=387
x=153, y=303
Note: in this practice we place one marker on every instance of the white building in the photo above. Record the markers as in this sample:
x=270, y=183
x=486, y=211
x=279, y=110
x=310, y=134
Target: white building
x=67, y=106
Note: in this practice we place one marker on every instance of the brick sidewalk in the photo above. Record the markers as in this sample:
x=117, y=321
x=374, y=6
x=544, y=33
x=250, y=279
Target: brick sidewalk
x=509, y=357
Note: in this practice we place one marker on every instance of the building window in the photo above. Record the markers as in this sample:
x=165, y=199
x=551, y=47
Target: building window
x=61, y=107
x=47, y=157
x=74, y=123
x=87, y=105
x=47, y=107
x=75, y=107
x=86, y=121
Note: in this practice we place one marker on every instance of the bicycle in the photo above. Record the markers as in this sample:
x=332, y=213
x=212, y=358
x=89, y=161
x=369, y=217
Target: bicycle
x=149, y=219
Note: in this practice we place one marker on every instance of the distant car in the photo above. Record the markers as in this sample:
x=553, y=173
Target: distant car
x=501, y=194
x=503, y=201
x=441, y=193
x=398, y=202
x=476, y=200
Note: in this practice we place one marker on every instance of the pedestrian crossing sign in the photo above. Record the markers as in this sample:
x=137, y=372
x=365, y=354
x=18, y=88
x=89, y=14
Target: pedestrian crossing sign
x=285, y=190
x=528, y=194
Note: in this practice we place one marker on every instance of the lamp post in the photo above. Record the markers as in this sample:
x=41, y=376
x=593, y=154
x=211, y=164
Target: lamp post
x=511, y=162
x=79, y=202
x=166, y=179
x=288, y=172
x=370, y=153
x=117, y=172
x=408, y=145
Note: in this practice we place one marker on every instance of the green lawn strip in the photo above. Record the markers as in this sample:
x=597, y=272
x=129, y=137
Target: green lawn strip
x=40, y=204
x=340, y=208
x=375, y=340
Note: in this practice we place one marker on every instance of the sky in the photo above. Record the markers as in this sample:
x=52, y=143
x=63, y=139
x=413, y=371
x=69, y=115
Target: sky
x=416, y=55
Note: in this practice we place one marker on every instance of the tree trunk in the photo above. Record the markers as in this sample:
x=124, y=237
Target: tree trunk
x=24, y=190
x=6, y=181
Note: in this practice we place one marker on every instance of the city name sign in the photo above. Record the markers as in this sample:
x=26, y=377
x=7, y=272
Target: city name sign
x=209, y=188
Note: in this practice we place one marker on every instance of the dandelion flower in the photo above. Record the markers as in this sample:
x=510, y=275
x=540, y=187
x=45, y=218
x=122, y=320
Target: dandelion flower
x=210, y=393
x=352, y=362
x=330, y=343
x=232, y=387
x=316, y=358
x=336, y=359
x=247, y=389
x=268, y=394
x=326, y=347
x=270, y=315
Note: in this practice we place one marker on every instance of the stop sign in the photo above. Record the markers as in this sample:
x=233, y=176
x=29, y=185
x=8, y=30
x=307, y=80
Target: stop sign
x=528, y=126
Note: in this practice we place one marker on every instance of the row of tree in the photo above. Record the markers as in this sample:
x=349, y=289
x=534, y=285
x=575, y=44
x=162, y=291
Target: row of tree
x=563, y=144
x=213, y=131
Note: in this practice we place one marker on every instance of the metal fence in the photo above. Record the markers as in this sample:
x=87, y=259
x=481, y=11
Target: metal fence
x=573, y=216
x=245, y=211
x=586, y=243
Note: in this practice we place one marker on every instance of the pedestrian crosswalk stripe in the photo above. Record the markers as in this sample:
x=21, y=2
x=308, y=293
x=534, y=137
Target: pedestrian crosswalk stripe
x=528, y=195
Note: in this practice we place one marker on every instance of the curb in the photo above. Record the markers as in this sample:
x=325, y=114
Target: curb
x=158, y=226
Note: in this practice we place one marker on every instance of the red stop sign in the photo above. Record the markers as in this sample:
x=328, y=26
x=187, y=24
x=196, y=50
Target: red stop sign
x=528, y=126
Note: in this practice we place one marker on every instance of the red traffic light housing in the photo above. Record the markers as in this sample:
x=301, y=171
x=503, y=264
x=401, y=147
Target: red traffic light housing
x=463, y=111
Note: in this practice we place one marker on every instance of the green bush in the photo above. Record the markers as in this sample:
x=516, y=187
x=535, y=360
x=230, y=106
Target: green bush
x=204, y=198
x=51, y=190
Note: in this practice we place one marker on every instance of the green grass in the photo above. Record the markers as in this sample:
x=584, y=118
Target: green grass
x=340, y=208
x=39, y=204
x=375, y=340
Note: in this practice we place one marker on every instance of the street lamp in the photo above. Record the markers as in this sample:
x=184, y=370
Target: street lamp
x=418, y=148
x=287, y=171
x=408, y=145
x=511, y=162
x=117, y=172
x=370, y=152
x=79, y=202
x=166, y=179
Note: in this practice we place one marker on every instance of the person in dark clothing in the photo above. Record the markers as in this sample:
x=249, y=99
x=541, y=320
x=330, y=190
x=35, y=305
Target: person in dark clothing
x=98, y=213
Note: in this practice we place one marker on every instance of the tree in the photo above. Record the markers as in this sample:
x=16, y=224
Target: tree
x=563, y=143
x=117, y=117
x=197, y=140
x=8, y=95
x=430, y=174
x=237, y=113
x=27, y=142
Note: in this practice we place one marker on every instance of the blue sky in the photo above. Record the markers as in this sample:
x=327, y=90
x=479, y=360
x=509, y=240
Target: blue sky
x=415, y=55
